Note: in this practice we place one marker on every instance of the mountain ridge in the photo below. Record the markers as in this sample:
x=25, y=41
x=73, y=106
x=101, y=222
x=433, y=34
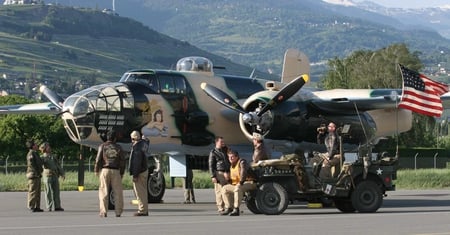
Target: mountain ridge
x=435, y=18
x=64, y=47
x=257, y=33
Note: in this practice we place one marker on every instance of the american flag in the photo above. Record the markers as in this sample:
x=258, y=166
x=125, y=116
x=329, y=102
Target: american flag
x=421, y=94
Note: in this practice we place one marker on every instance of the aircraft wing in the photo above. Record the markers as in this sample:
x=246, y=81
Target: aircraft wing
x=352, y=100
x=37, y=108
x=446, y=100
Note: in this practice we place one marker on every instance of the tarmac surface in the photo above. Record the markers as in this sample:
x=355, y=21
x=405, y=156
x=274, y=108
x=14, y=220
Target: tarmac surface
x=403, y=212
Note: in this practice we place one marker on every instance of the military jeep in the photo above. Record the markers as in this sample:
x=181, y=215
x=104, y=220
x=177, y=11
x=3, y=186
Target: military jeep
x=358, y=186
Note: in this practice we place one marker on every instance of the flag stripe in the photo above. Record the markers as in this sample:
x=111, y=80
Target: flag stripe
x=421, y=110
x=421, y=94
x=438, y=87
x=421, y=97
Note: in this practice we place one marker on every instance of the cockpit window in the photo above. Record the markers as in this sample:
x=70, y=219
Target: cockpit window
x=172, y=84
x=108, y=100
x=127, y=97
x=145, y=78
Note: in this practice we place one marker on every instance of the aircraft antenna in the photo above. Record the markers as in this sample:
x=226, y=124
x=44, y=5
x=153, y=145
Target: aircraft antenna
x=360, y=121
x=252, y=74
x=114, y=6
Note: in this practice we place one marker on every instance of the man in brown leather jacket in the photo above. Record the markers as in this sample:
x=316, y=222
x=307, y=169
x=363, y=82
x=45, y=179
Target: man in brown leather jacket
x=260, y=152
x=110, y=167
x=219, y=168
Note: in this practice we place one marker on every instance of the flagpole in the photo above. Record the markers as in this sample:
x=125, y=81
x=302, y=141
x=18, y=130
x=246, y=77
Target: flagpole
x=397, y=116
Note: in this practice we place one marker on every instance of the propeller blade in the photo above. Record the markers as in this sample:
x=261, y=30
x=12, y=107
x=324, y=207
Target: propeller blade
x=285, y=93
x=221, y=97
x=52, y=96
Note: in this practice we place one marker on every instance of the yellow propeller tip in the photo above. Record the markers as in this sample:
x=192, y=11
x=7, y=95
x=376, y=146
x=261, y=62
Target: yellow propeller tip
x=305, y=77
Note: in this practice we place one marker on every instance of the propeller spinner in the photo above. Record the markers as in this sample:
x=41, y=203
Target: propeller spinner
x=256, y=119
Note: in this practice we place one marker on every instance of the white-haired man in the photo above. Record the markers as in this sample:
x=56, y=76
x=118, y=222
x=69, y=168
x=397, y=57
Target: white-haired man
x=139, y=172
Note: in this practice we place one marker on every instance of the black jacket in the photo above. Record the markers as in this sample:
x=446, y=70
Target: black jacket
x=138, y=158
x=218, y=161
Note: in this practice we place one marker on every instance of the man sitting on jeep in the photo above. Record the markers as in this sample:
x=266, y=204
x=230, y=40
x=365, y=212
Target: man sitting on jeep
x=241, y=181
x=325, y=162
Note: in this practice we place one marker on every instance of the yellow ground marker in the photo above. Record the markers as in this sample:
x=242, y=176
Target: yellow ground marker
x=315, y=205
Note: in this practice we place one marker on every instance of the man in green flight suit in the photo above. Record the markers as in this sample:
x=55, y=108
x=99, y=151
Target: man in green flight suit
x=34, y=174
x=52, y=172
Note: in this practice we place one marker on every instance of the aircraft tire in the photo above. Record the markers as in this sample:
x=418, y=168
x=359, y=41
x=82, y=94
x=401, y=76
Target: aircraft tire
x=272, y=198
x=112, y=200
x=156, y=184
x=367, y=197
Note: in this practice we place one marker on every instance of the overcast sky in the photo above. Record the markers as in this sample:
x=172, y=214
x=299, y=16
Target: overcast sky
x=410, y=3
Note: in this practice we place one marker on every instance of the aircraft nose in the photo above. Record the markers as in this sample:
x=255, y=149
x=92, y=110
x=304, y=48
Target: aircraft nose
x=78, y=117
x=90, y=113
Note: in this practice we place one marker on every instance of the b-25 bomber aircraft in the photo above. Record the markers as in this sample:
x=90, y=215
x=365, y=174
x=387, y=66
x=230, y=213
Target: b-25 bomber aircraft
x=173, y=109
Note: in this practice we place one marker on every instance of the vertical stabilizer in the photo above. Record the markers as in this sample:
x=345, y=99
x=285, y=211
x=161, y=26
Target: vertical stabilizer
x=295, y=64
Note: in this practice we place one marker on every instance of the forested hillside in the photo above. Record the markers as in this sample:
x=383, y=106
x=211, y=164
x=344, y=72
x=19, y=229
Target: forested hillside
x=66, y=47
x=257, y=33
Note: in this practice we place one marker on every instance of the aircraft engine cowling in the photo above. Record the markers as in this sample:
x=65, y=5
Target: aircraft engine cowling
x=286, y=120
x=260, y=109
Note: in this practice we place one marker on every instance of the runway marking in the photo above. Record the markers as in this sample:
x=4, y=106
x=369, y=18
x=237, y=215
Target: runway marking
x=446, y=233
x=223, y=219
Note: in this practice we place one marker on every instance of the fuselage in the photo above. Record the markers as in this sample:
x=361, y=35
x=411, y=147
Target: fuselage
x=172, y=111
x=168, y=107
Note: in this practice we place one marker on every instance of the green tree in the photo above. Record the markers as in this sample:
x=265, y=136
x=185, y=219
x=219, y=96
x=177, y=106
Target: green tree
x=367, y=69
x=16, y=129
x=370, y=69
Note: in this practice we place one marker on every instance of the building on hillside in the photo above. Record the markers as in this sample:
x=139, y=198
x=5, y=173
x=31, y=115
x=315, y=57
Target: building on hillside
x=21, y=2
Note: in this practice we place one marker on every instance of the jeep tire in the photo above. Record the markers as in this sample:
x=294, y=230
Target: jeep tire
x=271, y=199
x=344, y=205
x=250, y=201
x=367, y=197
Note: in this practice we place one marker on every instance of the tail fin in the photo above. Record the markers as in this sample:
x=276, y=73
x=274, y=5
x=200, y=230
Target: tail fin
x=295, y=64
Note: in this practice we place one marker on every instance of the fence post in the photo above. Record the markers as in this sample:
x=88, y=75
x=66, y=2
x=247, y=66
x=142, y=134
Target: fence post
x=415, y=161
x=90, y=163
x=6, y=165
x=435, y=156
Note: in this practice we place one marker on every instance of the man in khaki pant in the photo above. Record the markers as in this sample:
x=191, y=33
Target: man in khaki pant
x=139, y=172
x=110, y=167
x=219, y=168
x=241, y=182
